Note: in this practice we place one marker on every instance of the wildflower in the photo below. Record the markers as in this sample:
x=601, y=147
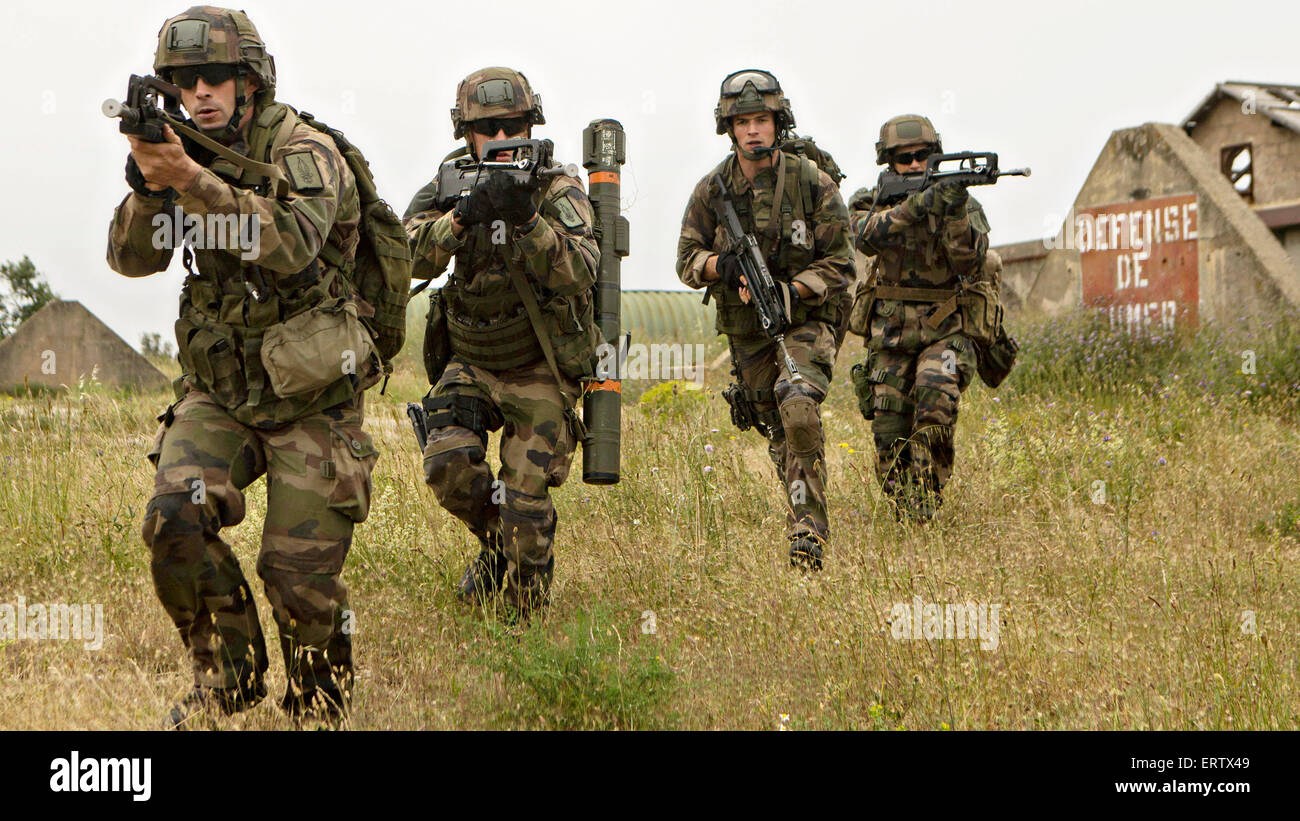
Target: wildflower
x=1161, y=461
x=708, y=448
x=708, y=468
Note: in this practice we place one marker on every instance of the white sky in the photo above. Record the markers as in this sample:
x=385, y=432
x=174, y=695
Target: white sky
x=1041, y=83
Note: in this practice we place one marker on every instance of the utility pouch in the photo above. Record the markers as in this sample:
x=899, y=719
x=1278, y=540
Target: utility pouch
x=315, y=348
x=437, y=345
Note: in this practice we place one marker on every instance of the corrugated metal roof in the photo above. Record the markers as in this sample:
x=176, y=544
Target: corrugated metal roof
x=1279, y=101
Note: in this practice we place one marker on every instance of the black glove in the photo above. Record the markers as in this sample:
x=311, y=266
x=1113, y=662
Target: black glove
x=729, y=270
x=135, y=179
x=474, y=209
x=512, y=198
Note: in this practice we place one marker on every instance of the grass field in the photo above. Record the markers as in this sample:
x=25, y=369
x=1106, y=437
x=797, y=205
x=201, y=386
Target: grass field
x=1131, y=509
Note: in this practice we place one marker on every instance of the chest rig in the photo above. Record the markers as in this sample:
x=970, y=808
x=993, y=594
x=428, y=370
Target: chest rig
x=228, y=303
x=783, y=220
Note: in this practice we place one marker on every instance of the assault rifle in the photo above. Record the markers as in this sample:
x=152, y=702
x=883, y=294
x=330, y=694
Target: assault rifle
x=972, y=168
x=140, y=113
x=532, y=159
x=764, y=294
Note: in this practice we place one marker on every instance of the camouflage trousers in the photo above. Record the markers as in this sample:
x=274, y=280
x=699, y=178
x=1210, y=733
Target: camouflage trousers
x=317, y=487
x=791, y=412
x=909, y=387
x=510, y=512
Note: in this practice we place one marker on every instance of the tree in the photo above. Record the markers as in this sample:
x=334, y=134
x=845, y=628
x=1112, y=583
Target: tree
x=152, y=345
x=23, y=292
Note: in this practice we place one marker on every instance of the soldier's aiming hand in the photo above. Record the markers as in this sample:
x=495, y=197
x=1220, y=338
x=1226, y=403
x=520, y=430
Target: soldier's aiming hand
x=164, y=165
x=511, y=198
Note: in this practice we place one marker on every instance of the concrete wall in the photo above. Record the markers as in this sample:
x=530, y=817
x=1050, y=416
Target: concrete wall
x=1275, y=149
x=71, y=341
x=1243, y=267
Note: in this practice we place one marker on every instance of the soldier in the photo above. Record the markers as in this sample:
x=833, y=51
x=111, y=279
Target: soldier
x=920, y=351
x=507, y=235
x=254, y=397
x=795, y=211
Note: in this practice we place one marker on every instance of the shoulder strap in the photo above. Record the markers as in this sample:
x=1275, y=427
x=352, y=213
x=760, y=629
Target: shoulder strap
x=535, y=317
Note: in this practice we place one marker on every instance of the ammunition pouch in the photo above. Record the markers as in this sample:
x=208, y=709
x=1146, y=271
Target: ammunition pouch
x=860, y=313
x=995, y=362
x=437, y=343
x=315, y=348
x=570, y=322
x=981, y=312
x=746, y=414
x=212, y=353
x=461, y=410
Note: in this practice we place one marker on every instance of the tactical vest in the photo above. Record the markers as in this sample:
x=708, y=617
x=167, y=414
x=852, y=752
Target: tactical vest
x=489, y=326
x=785, y=258
x=231, y=308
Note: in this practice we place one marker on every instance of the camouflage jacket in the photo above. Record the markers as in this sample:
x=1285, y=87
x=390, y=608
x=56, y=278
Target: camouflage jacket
x=237, y=291
x=914, y=248
x=823, y=261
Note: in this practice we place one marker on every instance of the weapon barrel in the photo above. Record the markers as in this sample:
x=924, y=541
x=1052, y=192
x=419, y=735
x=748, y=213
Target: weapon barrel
x=795, y=376
x=604, y=150
x=1015, y=172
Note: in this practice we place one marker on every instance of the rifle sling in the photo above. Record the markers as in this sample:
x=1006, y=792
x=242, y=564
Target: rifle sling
x=271, y=172
x=535, y=317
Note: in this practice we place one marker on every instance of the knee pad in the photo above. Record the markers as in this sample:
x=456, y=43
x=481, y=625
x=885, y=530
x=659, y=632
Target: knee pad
x=803, y=425
x=174, y=520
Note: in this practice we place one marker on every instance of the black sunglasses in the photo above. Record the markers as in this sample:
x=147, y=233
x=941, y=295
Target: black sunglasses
x=214, y=74
x=920, y=155
x=489, y=126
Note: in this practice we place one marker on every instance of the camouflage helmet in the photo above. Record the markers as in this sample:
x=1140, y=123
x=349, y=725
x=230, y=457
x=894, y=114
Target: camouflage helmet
x=495, y=92
x=208, y=34
x=905, y=129
x=751, y=90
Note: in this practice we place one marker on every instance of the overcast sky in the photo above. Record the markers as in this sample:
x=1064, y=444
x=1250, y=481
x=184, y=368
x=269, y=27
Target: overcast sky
x=1043, y=84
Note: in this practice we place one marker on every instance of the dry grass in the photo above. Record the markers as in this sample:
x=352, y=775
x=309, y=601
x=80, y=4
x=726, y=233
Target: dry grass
x=1126, y=614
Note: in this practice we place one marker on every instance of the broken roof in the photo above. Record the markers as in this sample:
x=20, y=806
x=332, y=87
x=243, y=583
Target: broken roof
x=1279, y=101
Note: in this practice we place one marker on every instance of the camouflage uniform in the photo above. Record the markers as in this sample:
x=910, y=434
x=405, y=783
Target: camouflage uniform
x=823, y=262
x=229, y=425
x=497, y=376
x=919, y=356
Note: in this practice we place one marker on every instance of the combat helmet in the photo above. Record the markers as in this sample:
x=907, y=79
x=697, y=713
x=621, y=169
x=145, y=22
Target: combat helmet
x=495, y=92
x=905, y=129
x=750, y=90
x=208, y=34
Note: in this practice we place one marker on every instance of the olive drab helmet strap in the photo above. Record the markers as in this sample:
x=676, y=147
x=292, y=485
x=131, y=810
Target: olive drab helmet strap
x=494, y=92
x=208, y=34
x=905, y=129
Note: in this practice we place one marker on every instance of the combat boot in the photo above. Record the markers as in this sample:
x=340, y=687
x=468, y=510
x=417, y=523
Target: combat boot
x=806, y=552
x=208, y=702
x=484, y=576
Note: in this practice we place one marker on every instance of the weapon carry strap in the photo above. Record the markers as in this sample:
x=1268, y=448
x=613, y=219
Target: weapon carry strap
x=535, y=317
x=280, y=184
